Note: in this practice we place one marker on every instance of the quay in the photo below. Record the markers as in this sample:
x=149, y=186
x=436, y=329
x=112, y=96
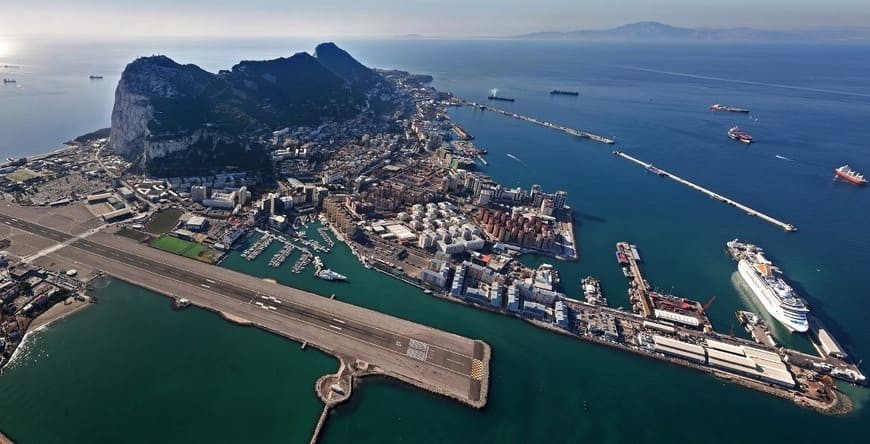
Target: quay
x=565, y=129
x=778, y=371
x=443, y=363
x=750, y=211
x=639, y=291
x=756, y=327
x=655, y=305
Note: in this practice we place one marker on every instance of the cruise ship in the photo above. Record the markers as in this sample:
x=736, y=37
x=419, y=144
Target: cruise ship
x=768, y=286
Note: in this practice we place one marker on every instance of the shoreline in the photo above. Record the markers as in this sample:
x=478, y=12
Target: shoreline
x=60, y=311
x=5, y=439
x=839, y=405
x=55, y=313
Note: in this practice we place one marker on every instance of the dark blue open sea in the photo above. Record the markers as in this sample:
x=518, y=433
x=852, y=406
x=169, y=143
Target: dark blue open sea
x=810, y=114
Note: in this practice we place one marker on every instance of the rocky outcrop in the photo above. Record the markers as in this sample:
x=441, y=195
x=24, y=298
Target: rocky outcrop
x=166, y=113
x=342, y=64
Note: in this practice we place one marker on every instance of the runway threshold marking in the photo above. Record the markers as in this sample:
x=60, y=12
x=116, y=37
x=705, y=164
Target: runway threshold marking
x=477, y=369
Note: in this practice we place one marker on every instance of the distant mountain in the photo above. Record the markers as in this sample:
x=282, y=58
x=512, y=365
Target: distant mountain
x=179, y=119
x=655, y=31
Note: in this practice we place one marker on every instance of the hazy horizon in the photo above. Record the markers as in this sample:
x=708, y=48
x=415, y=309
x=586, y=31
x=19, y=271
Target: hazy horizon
x=120, y=19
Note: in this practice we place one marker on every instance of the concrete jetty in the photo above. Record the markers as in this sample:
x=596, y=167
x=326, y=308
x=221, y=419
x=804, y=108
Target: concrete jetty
x=431, y=359
x=750, y=211
x=565, y=129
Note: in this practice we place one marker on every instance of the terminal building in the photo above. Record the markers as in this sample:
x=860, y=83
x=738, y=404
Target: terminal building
x=746, y=361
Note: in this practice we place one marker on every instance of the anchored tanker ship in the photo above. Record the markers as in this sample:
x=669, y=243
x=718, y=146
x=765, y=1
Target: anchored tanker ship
x=850, y=175
x=741, y=136
x=768, y=286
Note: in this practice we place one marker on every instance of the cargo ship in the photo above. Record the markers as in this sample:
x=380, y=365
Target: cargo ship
x=741, y=136
x=503, y=99
x=767, y=285
x=560, y=92
x=850, y=175
x=96, y=77
x=8, y=80
x=730, y=109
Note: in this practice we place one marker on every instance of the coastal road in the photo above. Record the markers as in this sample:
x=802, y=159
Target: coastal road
x=427, y=357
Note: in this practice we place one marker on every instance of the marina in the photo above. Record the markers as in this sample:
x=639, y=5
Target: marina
x=750, y=211
x=258, y=247
x=324, y=234
x=302, y=262
x=279, y=258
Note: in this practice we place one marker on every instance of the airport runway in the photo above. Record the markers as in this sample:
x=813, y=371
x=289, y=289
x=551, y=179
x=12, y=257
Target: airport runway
x=440, y=361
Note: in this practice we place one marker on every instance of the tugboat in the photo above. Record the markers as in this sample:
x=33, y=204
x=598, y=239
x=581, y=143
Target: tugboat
x=741, y=136
x=850, y=175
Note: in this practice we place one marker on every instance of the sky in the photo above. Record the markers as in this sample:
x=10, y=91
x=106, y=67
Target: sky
x=108, y=19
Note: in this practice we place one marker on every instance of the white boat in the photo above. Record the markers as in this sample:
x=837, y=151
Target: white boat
x=768, y=286
x=330, y=275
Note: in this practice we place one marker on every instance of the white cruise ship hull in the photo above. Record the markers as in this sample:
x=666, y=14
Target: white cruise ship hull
x=767, y=298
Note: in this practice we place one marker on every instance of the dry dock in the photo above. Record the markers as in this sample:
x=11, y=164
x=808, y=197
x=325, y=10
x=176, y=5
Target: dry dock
x=565, y=129
x=435, y=360
x=750, y=211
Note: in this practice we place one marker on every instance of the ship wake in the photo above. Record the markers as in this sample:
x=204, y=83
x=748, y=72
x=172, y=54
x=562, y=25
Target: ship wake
x=746, y=82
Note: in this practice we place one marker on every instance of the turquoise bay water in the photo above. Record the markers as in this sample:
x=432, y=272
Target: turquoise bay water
x=540, y=380
x=129, y=369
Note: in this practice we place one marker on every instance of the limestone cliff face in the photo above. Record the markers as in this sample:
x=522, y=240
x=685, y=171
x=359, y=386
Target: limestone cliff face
x=146, y=84
x=166, y=114
x=130, y=118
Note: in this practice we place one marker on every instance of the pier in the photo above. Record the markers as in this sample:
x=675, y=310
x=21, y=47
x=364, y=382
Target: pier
x=750, y=211
x=756, y=327
x=258, y=248
x=281, y=256
x=639, y=290
x=564, y=129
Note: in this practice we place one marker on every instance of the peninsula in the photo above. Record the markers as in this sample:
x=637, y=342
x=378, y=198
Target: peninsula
x=198, y=165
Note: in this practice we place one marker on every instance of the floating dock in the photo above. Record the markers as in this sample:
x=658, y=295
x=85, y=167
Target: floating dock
x=750, y=211
x=565, y=129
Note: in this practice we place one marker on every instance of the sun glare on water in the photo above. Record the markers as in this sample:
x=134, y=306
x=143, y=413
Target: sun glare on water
x=6, y=48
